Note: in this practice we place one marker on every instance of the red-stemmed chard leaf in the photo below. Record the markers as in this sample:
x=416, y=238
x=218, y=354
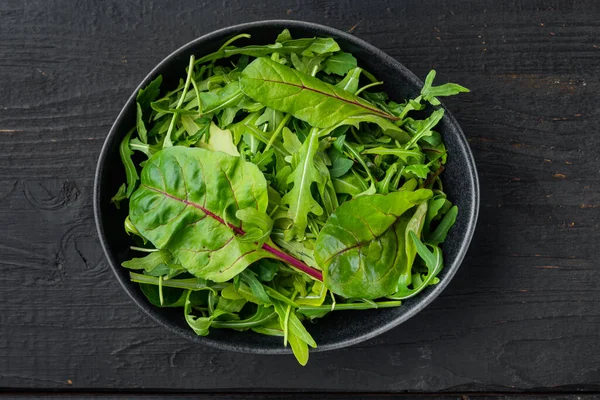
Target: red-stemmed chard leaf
x=187, y=203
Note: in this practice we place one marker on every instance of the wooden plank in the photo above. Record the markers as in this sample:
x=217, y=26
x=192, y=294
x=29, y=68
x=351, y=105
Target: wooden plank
x=522, y=313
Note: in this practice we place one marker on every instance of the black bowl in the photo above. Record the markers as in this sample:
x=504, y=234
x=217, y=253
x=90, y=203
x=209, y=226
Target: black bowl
x=339, y=329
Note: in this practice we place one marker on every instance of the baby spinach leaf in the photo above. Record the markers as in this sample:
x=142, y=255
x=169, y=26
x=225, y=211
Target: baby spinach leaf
x=300, y=199
x=305, y=97
x=359, y=248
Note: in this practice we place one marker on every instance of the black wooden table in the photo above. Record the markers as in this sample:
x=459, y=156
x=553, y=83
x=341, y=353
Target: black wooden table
x=523, y=313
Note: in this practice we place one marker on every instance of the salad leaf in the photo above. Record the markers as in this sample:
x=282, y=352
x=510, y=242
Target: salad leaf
x=305, y=97
x=359, y=248
x=299, y=198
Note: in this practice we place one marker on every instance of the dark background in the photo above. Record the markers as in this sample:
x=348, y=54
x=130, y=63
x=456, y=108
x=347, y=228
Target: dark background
x=521, y=315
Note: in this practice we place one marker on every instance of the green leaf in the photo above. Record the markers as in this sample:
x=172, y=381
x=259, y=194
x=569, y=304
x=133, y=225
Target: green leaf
x=271, y=117
x=430, y=92
x=262, y=317
x=403, y=154
x=349, y=183
x=420, y=170
x=300, y=199
x=440, y=233
x=271, y=328
x=299, y=348
x=256, y=287
x=219, y=140
x=130, y=171
x=339, y=164
x=284, y=36
x=350, y=81
x=340, y=63
x=265, y=270
x=294, y=324
x=304, y=46
x=171, y=297
x=359, y=248
x=200, y=325
x=119, y=196
x=148, y=94
x=183, y=202
x=231, y=306
x=141, y=128
x=157, y=263
x=305, y=97
x=321, y=46
x=434, y=262
x=215, y=100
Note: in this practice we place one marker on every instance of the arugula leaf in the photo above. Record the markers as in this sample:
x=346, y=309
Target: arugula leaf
x=148, y=94
x=130, y=171
x=157, y=263
x=141, y=128
x=440, y=233
x=300, y=199
x=430, y=92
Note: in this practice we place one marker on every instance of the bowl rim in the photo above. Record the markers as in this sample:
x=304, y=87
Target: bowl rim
x=462, y=142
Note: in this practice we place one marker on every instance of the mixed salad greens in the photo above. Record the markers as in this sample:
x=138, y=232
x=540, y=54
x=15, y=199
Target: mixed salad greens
x=273, y=186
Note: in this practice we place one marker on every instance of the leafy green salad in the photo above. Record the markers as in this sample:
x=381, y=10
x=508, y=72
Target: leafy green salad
x=276, y=184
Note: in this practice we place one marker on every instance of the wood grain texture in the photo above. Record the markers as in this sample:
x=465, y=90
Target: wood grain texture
x=523, y=311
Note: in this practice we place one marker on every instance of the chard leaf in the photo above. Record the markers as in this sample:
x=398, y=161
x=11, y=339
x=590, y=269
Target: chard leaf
x=187, y=203
x=359, y=248
x=184, y=201
x=305, y=97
